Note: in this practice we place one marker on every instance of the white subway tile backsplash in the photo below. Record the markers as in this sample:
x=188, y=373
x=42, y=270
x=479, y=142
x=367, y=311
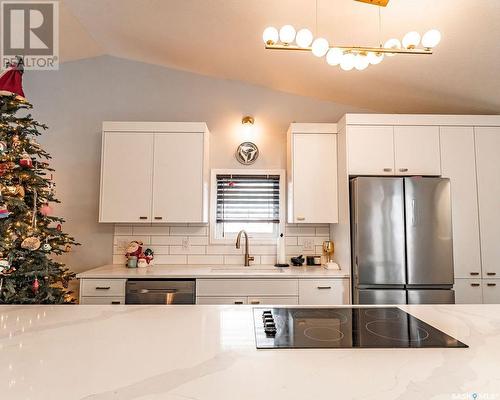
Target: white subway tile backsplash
x=206, y=259
x=187, y=250
x=189, y=244
x=151, y=230
x=188, y=231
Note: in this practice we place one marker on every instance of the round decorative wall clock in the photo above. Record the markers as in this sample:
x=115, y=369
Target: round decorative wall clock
x=247, y=153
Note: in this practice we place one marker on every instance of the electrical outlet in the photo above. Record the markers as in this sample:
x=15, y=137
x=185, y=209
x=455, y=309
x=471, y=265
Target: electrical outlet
x=185, y=243
x=308, y=245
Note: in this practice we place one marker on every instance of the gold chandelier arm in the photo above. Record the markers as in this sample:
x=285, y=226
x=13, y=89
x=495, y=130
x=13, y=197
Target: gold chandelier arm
x=356, y=49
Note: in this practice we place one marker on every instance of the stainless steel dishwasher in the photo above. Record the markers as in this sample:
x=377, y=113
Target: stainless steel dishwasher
x=160, y=291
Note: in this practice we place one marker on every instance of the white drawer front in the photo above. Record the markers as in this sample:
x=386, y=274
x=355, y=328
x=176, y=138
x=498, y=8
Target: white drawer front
x=323, y=291
x=102, y=287
x=491, y=291
x=221, y=300
x=468, y=291
x=102, y=300
x=247, y=287
x=273, y=300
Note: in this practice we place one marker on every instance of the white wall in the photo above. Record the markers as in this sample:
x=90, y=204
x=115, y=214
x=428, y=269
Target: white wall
x=76, y=99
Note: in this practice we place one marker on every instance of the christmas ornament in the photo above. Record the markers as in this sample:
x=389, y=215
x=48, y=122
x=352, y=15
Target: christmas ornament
x=26, y=160
x=16, y=141
x=11, y=80
x=35, y=286
x=46, y=246
x=3, y=146
x=4, y=265
x=4, y=213
x=59, y=227
x=46, y=210
x=13, y=191
x=6, y=167
x=31, y=243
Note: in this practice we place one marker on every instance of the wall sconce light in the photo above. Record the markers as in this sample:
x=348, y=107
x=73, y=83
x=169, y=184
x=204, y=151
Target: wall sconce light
x=247, y=152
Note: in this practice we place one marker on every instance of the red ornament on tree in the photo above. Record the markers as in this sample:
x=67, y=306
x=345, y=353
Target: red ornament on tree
x=11, y=80
x=46, y=210
x=35, y=286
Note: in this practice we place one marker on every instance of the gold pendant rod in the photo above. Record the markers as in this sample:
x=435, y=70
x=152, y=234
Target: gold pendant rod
x=357, y=49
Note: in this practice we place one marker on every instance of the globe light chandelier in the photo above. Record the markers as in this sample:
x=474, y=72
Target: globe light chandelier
x=350, y=57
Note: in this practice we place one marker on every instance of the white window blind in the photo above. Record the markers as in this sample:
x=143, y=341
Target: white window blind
x=248, y=199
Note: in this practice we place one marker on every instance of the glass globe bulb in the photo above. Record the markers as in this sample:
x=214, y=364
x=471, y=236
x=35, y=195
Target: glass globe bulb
x=334, y=56
x=320, y=47
x=375, y=58
x=304, y=38
x=361, y=62
x=431, y=38
x=392, y=44
x=411, y=40
x=287, y=34
x=347, y=62
x=270, y=35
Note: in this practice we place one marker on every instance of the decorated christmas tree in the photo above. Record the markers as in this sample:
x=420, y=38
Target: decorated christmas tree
x=29, y=235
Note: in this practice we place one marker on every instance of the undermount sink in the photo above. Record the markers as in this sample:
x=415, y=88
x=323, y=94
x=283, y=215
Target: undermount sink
x=252, y=269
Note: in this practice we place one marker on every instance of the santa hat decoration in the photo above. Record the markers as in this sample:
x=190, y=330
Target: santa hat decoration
x=11, y=80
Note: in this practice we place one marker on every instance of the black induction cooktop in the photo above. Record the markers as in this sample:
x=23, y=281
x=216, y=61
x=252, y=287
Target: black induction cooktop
x=347, y=327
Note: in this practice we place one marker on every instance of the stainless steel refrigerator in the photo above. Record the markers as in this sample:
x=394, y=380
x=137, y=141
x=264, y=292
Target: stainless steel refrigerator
x=402, y=250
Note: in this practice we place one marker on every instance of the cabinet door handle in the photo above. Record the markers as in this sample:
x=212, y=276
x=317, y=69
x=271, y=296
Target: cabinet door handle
x=102, y=287
x=324, y=287
x=491, y=284
x=403, y=169
x=238, y=302
x=255, y=302
x=474, y=273
x=143, y=217
x=491, y=273
x=474, y=284
x=116, y=302
x=387, y=169
x=158, y=218
x=300, y=218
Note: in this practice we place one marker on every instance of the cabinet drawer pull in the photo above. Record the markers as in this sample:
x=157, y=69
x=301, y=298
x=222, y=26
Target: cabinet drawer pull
x=300, y=218
x=158, y=218
x=324, y=287
x=491, y=284
x=116, y=302
x=255, y=302
x=403, y=169
x=491, y=273
x=102, y=287
x=474, y=284
x=238, y=302
x=387, y=169
x=143, y=217
x=474, y=273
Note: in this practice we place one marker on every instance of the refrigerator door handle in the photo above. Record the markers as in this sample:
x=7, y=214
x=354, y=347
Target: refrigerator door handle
x=413, y=213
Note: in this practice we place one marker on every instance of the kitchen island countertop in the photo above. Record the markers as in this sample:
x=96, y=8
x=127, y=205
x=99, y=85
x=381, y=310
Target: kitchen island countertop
x=208, y=353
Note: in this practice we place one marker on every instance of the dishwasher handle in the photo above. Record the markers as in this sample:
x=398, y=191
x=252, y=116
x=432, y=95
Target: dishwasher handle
x=144, y=291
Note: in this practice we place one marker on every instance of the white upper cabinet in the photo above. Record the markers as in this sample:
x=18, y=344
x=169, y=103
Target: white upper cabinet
x=312, y=173
x=488, y=182
x=370, y=150
x=416, y=150
x=154, y=172
x=126, y=177
x=458, y=163
x=178, y=177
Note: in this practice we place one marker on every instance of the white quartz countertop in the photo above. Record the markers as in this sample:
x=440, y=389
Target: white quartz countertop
x=211, y=271
x=208, y=353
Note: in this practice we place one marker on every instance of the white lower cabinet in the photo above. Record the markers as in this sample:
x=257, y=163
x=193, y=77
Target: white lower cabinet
x=491, y=291
x=468, y=291
x=220, y=300
x=272, y=291
x=102, y=300
x=323, y=291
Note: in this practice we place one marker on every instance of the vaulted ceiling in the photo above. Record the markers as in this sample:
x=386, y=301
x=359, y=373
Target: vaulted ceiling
x=222, y=38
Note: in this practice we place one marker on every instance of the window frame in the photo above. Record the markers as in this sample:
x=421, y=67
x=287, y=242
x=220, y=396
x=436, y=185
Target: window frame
x=255, y=238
